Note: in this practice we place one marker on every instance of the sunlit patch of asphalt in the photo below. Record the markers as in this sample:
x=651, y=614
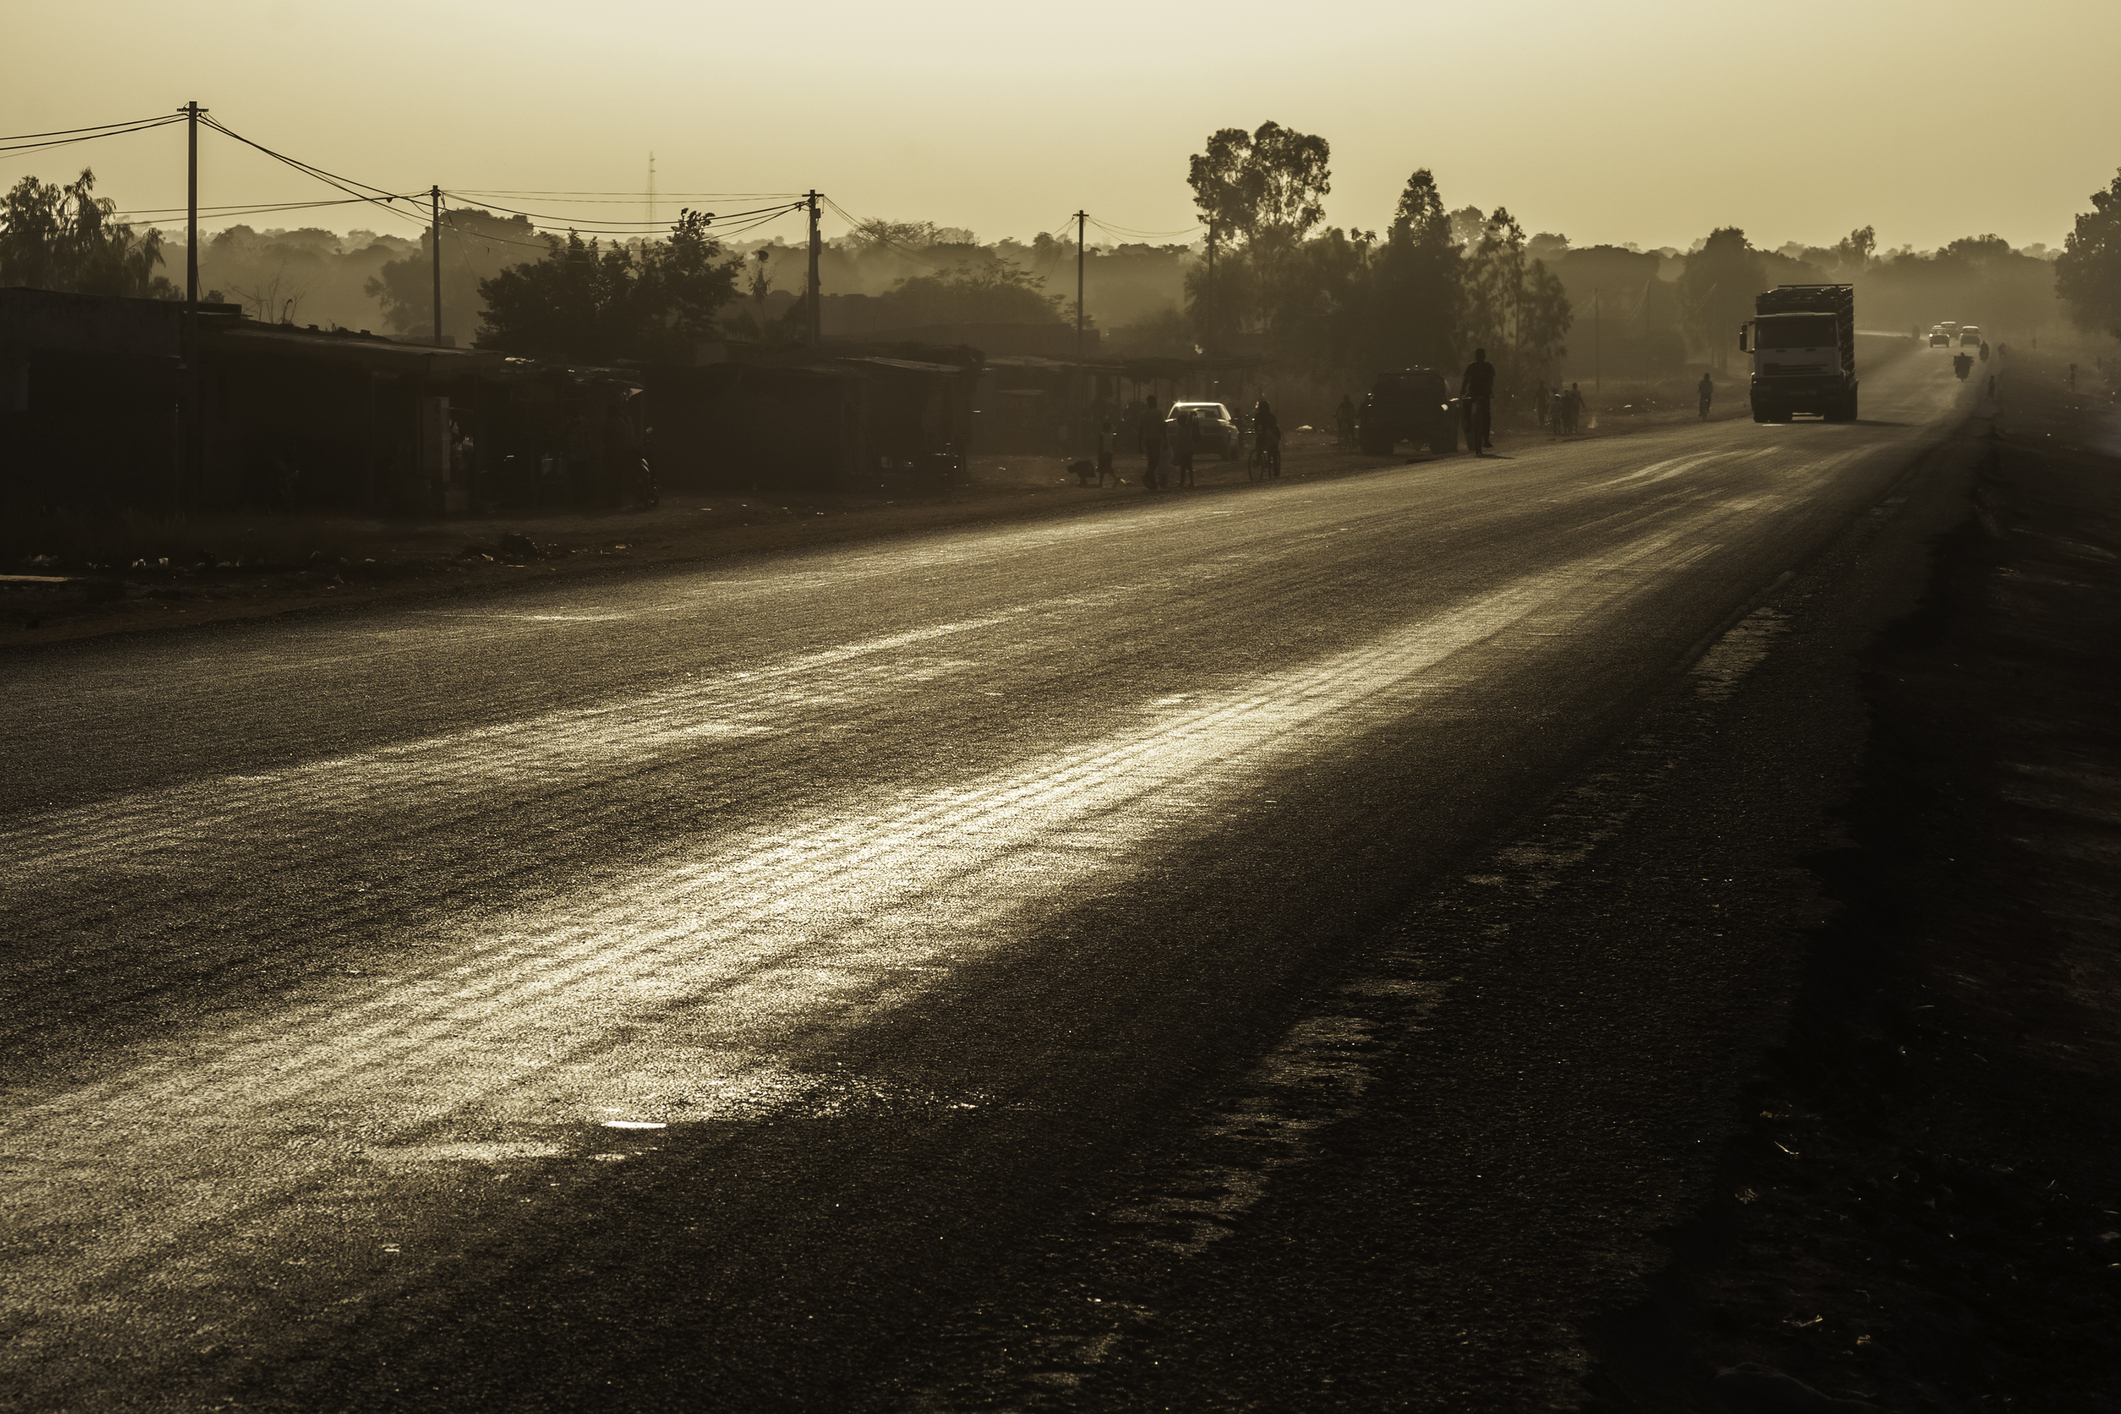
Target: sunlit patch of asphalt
x=1313, y=1078
x=687, y=992
x=692, y=990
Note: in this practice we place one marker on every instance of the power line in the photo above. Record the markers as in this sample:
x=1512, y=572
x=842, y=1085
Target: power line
x=1109, y=229
x=612, y=227
x=154, y=121
x=240, y=208
x=14, y=148
x=622, y=198
x=383, y=197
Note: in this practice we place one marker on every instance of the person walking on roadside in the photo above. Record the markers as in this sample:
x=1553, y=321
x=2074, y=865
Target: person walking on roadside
x=1182, y=440
x=1477, y=387
x=1706, y=391
x=1107, y=448
x=1572, y=408
x=1344, y=422
x=1266, y=439
x=1152, y=440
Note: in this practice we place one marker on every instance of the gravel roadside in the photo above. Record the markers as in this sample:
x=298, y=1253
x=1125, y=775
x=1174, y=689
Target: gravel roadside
x=66, y=578
x=1922, y=1211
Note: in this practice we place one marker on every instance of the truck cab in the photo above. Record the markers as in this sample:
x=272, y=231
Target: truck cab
x=1803, y=343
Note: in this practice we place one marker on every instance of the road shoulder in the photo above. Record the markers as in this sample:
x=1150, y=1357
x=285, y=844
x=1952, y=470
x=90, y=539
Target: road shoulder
x=1480, y=1131
x=1920, y=1209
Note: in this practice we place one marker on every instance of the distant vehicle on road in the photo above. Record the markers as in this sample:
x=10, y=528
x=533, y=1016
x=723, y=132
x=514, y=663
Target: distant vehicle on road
x=1412, y=405
x=1969, y=335
x=1803, y=342
x=1213, y=428
x=1939, y=339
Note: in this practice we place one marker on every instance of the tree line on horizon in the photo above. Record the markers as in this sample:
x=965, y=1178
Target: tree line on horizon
x=1270, y=277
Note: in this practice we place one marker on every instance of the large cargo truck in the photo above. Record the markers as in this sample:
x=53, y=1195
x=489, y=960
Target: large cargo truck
x=1803, y=342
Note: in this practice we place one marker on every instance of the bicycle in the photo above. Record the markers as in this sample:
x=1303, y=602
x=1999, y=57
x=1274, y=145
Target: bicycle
x=1265, y=462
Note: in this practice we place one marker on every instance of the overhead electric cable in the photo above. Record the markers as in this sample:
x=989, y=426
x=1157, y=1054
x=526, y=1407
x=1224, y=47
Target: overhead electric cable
x=383, y=197
x=154, y=121
x=620, y=198
x=45, y=145
x=1111, y=229
x=241, y=208
x=610, y=227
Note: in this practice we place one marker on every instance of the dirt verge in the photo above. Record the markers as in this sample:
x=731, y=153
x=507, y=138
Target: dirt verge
x=79, y=578
x=1924, y=1213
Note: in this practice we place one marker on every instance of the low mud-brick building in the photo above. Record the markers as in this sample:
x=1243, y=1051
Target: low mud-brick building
x=838, y=418
x=122, y=405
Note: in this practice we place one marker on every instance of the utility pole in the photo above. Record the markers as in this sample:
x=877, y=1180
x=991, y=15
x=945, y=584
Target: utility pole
x=810, y=312
x=1082, y=392
x=1597, y=361
x=191, y=212
x=434, y=195
x=191, y=442
x=1210, y=322
x=651, y=190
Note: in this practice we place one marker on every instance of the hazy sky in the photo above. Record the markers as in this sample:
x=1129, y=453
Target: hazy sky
x=1649, y=122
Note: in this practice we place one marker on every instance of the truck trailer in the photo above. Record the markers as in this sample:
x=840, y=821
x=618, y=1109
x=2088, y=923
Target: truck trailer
x=1803, y=342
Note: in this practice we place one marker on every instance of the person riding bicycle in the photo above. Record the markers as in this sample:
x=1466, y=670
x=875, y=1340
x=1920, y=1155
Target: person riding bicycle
x=1477, y=388
x=1266, y=437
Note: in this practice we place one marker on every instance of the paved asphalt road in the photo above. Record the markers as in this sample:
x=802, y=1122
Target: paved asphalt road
x=690, y=989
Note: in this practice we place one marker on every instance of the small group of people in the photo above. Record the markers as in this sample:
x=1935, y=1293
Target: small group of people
x=1169, y=444
x=1166, y=445
x=1561, y=411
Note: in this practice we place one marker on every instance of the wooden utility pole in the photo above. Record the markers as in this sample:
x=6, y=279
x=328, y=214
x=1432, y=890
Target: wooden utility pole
x=191, y=211
x=434, y=196
x=1209, y=323
x=1082, y=391
x=1597, y=360
x=810, y=313
x=191, y=439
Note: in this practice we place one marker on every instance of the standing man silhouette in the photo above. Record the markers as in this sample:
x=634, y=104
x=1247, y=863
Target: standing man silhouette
x=1478, y=390
x=1152, y=439
x=1706, y=388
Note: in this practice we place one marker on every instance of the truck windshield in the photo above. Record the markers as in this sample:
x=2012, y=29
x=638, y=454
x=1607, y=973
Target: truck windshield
x=1796, y=331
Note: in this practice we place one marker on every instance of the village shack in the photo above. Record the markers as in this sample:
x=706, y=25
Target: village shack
x=830, y=420
x=115, y=404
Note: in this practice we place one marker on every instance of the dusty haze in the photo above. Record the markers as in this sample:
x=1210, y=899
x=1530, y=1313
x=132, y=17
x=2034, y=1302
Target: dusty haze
x=1646, y=122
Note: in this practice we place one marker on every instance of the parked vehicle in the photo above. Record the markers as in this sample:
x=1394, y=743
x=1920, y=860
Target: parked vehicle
x=1213, y=428
x=1412, y=405
x=1803, y=342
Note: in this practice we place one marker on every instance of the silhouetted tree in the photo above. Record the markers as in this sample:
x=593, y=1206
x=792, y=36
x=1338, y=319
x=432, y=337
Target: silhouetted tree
x=1264, y=193
x=63, y=238
x=476, y=245
x=2088, y=272
x=1717, y=292
x=593, y=303
x=999, y=293
x=1515, y=308
x=1417, y=284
